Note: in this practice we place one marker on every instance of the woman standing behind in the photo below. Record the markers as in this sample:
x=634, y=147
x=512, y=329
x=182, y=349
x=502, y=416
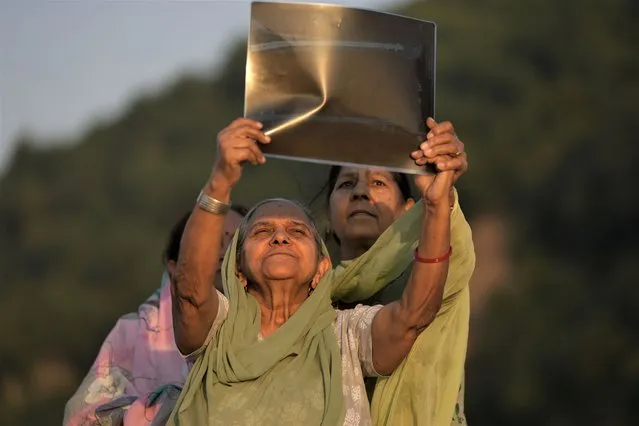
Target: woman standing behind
x=138, y=367
x=427, y=388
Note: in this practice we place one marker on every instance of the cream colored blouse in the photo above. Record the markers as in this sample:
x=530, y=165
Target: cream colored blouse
x=353, y=332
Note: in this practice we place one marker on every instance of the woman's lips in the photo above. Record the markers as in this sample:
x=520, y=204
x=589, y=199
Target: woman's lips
x=361, y=212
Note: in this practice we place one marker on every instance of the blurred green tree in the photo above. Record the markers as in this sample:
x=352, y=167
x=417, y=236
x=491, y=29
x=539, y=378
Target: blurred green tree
x=545, y=94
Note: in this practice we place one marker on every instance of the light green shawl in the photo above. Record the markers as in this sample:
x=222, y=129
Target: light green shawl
x=427, y=388
x=292, y=377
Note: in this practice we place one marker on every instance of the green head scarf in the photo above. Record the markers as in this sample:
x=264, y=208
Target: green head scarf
x=292, y=377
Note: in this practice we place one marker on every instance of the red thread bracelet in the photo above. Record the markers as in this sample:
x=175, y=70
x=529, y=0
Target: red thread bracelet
x=439, y=259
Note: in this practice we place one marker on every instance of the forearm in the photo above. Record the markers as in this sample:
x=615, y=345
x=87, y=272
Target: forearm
x=422, y=296
x=398, y=324
x=195, y=301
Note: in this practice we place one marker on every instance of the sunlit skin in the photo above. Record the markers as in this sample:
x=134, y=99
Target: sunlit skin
x=363, y=203
x=280, y=262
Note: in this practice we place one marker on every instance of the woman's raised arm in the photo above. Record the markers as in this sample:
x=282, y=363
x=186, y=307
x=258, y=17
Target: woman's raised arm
x=195, y=301
x=396, y=327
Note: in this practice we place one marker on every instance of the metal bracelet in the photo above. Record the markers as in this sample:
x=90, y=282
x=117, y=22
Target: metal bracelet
x=212, y=205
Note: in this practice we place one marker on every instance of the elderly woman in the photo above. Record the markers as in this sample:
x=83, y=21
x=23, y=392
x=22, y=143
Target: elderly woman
x=427, y=388
x=276, y=351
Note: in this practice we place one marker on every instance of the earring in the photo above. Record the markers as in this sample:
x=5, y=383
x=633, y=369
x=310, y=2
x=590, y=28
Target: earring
x=310, y=289
x=328, y=233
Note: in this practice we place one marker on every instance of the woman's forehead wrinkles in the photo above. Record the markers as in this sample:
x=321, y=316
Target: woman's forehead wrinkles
x=278, y=212
x=351, y=172
x=269, y=221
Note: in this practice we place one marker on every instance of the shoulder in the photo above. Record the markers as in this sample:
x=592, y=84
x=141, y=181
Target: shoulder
x=358, y=314
x=356, y=320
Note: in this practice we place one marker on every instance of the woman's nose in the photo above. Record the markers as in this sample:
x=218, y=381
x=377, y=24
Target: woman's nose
x=280, y=237
x=360, y=191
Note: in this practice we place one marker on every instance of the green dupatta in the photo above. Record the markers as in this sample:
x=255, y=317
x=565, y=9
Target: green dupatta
x=292, y=377
x=427, y=387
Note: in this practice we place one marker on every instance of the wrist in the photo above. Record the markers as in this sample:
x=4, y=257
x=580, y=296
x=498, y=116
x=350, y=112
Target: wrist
x=440, y=209
x=430, y=260
x=219, y=188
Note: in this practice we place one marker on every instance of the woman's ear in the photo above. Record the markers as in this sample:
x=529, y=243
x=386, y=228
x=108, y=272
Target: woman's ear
x=408, y=204
x=324, y=266
x=242, y=278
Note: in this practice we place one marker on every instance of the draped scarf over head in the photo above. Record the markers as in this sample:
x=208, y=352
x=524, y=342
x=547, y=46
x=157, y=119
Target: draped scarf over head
x=293, y=376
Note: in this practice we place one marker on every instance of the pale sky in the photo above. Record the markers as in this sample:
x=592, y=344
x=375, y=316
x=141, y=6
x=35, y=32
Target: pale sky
x=64, y=63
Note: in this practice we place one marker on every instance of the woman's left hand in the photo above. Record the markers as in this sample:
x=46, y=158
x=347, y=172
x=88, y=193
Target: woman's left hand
x=442, y=148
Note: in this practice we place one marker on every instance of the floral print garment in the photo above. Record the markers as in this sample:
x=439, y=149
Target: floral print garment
x=137, y=370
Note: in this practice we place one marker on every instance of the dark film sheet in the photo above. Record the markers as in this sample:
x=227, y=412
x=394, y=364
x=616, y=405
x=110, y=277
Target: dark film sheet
x=339, y=85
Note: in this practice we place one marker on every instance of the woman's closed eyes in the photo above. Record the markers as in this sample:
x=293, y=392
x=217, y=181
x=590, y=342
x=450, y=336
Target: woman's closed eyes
x=294, y=231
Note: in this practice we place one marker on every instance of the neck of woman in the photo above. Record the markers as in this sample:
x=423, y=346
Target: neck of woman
x=278, y=302
x=354, y=249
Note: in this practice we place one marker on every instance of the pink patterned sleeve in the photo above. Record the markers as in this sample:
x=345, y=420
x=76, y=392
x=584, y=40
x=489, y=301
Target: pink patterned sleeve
x=139, y=372
x=109, y=379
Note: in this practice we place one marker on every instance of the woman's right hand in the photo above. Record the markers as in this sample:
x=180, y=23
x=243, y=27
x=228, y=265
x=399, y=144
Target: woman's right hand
x=237, y=144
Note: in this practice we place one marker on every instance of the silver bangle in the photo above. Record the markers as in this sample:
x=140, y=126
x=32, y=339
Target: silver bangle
x=212, y=205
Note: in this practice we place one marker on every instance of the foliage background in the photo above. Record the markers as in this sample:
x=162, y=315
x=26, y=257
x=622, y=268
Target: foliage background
x=544, y=94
